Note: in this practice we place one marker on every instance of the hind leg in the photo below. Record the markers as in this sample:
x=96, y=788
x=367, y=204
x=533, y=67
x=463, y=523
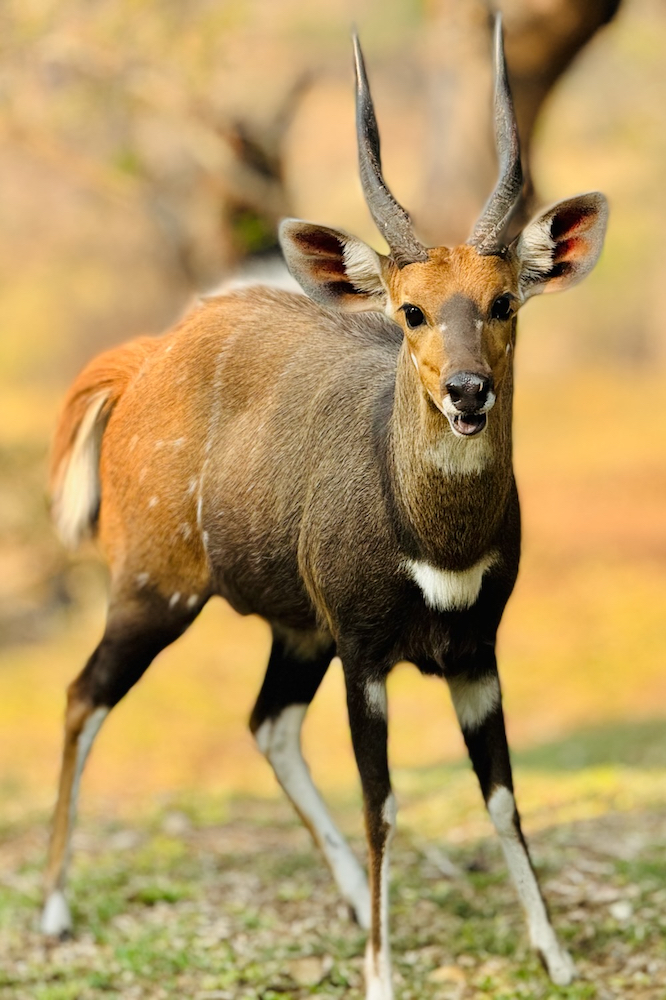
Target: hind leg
x=136, y=631
x=295, y=671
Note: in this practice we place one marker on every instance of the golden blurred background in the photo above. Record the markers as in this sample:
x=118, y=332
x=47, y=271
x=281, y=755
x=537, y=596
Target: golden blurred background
x=149, y=148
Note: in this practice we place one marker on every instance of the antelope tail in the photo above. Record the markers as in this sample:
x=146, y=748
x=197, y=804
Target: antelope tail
x=74, y=481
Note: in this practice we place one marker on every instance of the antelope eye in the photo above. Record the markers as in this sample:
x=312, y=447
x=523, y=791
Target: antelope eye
x=501, y=307
x=414, y=316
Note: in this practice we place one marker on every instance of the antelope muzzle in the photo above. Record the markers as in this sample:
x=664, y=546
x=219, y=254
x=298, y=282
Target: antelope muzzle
x=469, y=398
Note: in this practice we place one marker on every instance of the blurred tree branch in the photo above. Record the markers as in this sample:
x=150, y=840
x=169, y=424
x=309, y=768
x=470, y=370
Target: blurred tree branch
x=121, y=120
x=542, y=37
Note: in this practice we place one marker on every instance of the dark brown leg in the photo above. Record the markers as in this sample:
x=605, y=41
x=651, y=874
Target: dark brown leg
x=366, y=700
x=134, y=635
x=479, y=708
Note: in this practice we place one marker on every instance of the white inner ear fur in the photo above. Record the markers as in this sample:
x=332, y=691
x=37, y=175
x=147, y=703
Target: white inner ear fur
x=363, y=267
x=536, y=250
x=585, y=217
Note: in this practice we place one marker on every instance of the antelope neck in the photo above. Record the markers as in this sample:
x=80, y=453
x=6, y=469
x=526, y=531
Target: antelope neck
x=451, y=494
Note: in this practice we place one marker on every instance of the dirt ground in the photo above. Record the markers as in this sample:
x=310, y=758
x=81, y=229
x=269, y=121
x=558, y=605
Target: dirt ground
x=180, y=905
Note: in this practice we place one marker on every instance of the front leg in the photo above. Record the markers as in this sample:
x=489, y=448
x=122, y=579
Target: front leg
x=366, y=700
x=478, y=703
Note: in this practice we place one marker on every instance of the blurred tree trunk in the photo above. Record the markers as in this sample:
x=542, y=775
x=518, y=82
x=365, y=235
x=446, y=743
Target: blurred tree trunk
x=542, y=37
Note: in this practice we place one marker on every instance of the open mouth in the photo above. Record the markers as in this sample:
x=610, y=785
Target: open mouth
x=468, y=424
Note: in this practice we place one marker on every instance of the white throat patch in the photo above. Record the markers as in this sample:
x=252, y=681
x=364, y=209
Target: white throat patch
x=456, y=456
x=446, y=589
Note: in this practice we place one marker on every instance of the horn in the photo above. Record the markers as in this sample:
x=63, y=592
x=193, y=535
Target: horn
x=490, y=229
x=391, y=219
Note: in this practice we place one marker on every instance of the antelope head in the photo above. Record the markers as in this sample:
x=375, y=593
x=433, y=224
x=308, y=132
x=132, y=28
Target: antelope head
x=456, y=306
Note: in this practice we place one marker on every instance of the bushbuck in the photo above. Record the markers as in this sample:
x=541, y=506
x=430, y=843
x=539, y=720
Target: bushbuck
x=339, y=463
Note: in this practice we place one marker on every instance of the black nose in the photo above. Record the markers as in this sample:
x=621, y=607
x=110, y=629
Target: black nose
x=469, y=391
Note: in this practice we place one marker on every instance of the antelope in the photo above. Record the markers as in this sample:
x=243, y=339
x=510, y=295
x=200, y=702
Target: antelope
x=339, y=463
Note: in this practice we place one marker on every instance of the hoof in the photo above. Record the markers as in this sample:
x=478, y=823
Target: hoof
x=559, y=966
x=56, y=919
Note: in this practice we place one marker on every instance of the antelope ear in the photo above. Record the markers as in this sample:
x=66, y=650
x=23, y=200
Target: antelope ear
x=333, y=268
x=559, y=247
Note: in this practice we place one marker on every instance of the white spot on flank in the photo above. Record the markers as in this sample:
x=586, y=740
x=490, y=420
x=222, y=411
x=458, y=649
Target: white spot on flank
x=173, y=600
x=169, y=348
x=178, y=442
x=152, y=502
x=185, y=530
x=159, y=444
x=192, y=485
x=474, y=700
x=205, y=538
x=279, y=740
x=501, y=807
x=449, y=590
x=142, y=579
x=375, y=698
x=192, y=600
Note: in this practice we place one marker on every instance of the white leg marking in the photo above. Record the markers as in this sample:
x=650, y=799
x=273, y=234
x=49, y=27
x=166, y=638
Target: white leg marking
x=279, y=740
x=502, y=807
x=378, y=964
x=56, y=919
x=449, y=590
x=375, y=698
x=90, y=730
x=474, y=700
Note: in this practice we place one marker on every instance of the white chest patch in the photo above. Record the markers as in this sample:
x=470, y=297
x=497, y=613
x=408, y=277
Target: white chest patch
x=449, y=590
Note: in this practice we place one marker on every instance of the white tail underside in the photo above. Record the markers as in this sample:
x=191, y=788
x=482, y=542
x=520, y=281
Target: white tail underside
x=77, y=494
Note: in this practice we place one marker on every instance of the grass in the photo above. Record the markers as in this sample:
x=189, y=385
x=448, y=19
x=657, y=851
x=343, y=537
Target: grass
x=219, y=897
x=177, y=906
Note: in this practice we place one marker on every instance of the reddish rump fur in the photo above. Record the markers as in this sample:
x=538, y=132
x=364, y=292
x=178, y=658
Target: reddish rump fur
x=108, y=374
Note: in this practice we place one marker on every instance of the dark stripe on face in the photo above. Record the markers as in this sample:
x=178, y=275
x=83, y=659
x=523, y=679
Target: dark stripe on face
x=462, y=329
